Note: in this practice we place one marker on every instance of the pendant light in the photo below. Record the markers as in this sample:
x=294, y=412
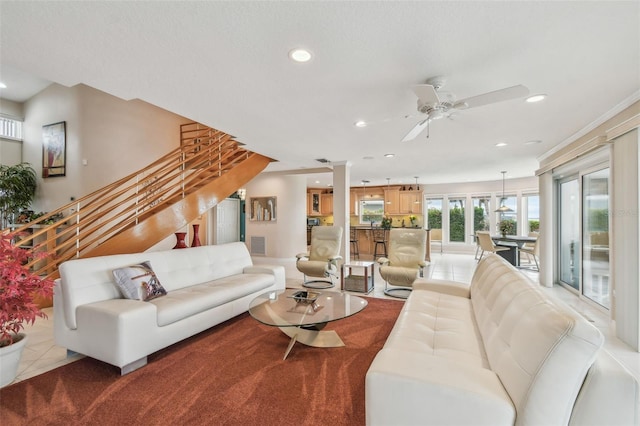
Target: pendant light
x=417, y=189
x=503, y=208
x=364, y=189
x=388, y=200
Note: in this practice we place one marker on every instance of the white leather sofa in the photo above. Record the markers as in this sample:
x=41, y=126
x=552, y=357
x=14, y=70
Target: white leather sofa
x=497, y=352
x=205, y=286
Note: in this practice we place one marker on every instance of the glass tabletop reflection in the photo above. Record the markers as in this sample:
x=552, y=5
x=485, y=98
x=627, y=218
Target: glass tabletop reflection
x=304, y=308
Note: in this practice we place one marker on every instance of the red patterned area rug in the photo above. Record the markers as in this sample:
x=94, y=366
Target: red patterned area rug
x=231, y=374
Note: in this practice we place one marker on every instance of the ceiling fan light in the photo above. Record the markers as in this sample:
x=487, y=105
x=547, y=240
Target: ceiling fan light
x=461, y=105
x=435, y=115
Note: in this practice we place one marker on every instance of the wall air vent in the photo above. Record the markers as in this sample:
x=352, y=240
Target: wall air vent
x=258, y=246
x=322, y=160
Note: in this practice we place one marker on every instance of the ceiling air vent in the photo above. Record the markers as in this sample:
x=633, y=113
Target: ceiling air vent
x=322, y=160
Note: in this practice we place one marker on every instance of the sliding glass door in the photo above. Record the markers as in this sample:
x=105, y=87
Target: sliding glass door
x=583, y=234
x=569, y=232
x=595, y=236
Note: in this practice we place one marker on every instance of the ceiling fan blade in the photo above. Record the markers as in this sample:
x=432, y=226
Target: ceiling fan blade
x=493, y=97
x=427, y=94
x=417, y=129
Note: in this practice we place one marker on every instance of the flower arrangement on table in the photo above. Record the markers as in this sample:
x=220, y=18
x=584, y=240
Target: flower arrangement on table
x=507, y=227
x=386, y=223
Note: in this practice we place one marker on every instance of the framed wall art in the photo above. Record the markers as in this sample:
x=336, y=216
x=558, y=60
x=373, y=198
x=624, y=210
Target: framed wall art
x=54, y=150
x=263, y=209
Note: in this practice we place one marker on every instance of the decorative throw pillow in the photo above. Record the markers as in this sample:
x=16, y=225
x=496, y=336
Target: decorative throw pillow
x=138, y=282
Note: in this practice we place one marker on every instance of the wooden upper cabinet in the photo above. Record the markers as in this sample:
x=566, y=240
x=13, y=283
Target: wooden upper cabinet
x=326, y=204
x=408, y=203
x=353, y=203
x=391, y=201
x=314, y=203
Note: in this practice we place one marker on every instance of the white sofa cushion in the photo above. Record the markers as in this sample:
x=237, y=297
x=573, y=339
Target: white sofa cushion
x=186, y=302
x=439, y=325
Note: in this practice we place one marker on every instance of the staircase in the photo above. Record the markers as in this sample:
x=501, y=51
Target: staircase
x=144, y=208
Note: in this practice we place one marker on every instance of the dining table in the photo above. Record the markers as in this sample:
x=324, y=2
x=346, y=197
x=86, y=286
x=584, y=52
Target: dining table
x=514, y=243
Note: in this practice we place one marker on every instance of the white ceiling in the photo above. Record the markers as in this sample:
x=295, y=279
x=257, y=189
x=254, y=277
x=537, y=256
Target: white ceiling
x=226, y=64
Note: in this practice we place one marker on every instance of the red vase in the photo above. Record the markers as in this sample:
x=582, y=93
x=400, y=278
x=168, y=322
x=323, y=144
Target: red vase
x=196, y=237
x=181, y=236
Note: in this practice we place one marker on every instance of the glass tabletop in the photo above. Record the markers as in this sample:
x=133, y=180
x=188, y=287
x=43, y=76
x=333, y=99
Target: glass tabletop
x=310, y=307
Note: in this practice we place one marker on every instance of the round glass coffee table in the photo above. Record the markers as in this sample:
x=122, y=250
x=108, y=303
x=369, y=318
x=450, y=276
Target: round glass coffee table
x=302, y=314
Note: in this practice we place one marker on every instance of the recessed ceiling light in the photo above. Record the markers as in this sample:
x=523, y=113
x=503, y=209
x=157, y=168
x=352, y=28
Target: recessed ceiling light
x=317, y=181
x=300, y=55
x=532, y=142
x=367, y=158
x=2, y=85
x=360, y=123
x=389, y=155
x=499, y=144
x=536, y=98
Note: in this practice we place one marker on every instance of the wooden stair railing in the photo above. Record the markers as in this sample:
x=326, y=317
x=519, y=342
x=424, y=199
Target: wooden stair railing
x=141, y=209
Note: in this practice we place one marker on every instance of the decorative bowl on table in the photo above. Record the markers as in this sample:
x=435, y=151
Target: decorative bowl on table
x=304, y=296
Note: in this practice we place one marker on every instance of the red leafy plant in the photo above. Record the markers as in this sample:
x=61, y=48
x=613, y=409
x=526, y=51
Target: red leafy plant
x=19, y=288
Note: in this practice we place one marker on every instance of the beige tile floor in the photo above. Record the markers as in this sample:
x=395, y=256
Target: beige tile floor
x=41, y=354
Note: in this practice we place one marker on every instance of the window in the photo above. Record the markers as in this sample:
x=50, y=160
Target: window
x=512, y=216
x=10, y=128
x=456, y=220
x=434, y=213
x=481, y=209
x=532, y=209
x=372, y=211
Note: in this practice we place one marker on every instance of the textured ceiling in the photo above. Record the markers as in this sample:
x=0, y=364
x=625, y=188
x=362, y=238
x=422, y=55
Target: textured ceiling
x=225, y=64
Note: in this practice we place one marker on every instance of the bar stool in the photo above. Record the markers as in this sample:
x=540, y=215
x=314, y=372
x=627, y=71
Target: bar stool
x=380, y=239
x=354, y=243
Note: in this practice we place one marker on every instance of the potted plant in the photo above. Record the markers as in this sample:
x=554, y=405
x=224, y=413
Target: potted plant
x=17, y=190
x=19, y=288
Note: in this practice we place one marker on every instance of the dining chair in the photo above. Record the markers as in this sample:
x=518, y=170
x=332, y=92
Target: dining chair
x=532, y=249
x=487, y=244
x=436, y=237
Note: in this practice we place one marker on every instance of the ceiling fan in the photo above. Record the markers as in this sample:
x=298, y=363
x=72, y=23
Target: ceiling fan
x=430, y=104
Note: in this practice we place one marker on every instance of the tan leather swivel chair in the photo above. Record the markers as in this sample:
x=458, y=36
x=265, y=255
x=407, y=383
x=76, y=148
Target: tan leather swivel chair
x=322, y=259
x=407, y=250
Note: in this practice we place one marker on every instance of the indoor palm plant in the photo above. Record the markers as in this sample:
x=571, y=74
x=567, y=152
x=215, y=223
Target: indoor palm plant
x=19, y=287
x=17, y=189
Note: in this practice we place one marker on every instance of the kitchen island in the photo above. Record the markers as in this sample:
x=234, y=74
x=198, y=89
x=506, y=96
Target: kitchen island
x=366, y=244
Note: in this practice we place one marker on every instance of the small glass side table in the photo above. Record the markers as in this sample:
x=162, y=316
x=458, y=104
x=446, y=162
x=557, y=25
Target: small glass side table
x=360, y=283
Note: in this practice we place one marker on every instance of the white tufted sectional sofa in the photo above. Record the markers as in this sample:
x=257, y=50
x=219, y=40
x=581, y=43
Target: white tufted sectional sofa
x=500, y=352
x=205, y=286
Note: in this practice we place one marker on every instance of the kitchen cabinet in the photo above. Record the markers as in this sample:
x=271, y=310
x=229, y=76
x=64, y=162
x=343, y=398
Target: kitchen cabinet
x=353, y=203
x=313, y=203
x=391, y=201
x=408, y=204
x=326, y=204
